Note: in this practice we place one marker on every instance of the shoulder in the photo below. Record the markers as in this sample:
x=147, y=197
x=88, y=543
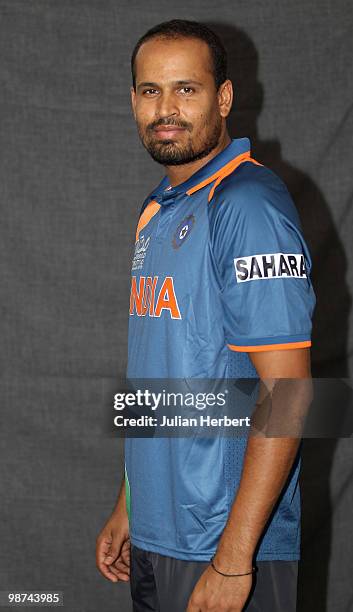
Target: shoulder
x=252, y=192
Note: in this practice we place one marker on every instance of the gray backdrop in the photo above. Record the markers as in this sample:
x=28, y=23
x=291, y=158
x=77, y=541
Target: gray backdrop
x=73, y=176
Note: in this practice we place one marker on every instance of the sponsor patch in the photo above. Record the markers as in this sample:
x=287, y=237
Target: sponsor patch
x=269, y=265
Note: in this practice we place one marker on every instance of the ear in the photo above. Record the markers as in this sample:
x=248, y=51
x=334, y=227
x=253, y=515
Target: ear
x=133, y=100
x=225, y=98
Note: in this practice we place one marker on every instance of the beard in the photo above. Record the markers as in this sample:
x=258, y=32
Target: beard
x=170, y=153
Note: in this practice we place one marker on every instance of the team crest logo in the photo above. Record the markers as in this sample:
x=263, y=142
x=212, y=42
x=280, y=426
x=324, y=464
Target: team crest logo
x=182, y=231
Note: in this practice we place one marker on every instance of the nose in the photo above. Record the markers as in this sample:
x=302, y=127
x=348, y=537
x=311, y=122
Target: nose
x=168, y=105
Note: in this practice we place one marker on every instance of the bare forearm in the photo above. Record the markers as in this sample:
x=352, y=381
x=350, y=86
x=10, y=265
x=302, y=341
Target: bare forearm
x=267, y=464
x=286, y=377
x=121, y=499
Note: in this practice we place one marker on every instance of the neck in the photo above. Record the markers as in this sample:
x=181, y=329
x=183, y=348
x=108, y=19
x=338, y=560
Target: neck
x=179, y=174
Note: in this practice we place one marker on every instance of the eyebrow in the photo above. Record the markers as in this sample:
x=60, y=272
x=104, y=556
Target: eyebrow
x=181, y=82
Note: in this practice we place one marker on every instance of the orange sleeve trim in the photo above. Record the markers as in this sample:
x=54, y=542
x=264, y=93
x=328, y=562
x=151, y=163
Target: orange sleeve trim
x=269, y=347
x=151, y=209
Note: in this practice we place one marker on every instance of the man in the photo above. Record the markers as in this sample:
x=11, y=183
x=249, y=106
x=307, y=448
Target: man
x=222, y=290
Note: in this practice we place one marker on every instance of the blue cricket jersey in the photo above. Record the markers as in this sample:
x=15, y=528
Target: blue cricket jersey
x=220, y=269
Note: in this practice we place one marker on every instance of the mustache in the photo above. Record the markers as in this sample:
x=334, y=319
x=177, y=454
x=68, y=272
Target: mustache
x=166, y=121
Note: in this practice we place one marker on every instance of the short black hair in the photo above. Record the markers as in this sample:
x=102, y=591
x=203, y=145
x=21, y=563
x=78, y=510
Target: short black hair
x=182, y=28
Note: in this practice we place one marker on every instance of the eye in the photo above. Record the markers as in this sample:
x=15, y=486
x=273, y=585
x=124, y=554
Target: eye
x=187, y=91
x=149, y=92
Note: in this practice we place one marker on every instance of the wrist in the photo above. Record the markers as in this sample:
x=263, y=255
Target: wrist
x=119, y=521
x=231, y=560
x=233, y=574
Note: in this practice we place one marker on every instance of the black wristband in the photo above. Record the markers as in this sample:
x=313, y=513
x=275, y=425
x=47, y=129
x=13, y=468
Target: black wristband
x=253, y=569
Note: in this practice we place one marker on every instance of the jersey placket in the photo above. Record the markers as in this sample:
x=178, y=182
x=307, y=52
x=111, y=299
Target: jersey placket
x=166, y=214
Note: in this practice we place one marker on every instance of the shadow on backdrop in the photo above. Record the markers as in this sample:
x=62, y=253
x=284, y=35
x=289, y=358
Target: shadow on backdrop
x=330, y=328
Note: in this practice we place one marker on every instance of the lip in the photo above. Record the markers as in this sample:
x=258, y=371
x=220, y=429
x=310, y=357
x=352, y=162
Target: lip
x=167, y=131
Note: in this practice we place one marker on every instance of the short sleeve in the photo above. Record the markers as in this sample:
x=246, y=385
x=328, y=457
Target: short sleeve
x=263, y=265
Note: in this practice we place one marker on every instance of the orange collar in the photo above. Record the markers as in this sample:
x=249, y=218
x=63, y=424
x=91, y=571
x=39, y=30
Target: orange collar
x=222, y=173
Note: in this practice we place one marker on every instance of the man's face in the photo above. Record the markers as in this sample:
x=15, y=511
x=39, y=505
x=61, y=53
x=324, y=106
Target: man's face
x=176, y=104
